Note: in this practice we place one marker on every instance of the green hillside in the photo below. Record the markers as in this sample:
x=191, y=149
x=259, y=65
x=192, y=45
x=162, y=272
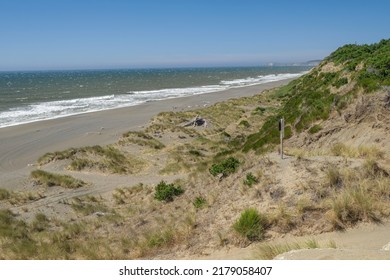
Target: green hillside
x=347, y=72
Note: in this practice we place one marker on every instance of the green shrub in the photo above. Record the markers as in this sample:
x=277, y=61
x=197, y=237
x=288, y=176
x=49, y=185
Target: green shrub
x=166, y=192
x=250, y=179
x=225, y=167
x=251, y=224
x=199, y=202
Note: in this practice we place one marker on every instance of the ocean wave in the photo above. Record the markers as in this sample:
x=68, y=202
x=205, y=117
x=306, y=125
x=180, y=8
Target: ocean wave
x=179, y=92
x=62, y=108
x=260, y=79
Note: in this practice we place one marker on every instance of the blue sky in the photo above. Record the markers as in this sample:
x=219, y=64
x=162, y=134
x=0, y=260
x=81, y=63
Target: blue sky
x=84, y=34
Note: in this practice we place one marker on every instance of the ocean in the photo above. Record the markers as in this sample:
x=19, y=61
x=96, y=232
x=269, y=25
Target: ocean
x=41, y=95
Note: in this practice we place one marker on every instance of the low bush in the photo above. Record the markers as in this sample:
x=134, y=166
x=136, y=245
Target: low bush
x=166, y=192
x=225, y=167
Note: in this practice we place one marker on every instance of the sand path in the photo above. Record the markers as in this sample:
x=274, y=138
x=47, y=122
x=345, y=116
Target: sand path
x=365, y=242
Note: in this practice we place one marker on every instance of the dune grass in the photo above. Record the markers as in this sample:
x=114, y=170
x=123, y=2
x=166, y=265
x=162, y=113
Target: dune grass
x=107, y=158
x=4, y=194
x=142, y=139
x=50, y=179
x=251, y=224
x=268, y=250
x=360, y=195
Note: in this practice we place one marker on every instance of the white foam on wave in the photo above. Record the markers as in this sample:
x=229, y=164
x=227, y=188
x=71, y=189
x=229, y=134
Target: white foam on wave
x=178, y=92
x=260, y=79
x=62, y=108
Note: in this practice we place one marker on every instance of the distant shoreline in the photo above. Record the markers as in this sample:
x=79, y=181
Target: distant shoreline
x=28, y=98
x=22, y=145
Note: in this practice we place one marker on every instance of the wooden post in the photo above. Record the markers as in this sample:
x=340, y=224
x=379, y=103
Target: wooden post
x=281, y=130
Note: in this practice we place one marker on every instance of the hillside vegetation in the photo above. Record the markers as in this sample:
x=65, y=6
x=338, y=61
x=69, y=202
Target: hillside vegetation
x=336, y=82
x=174, y=191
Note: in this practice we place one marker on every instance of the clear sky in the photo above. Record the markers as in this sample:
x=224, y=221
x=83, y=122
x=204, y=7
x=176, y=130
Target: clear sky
x=84, y=34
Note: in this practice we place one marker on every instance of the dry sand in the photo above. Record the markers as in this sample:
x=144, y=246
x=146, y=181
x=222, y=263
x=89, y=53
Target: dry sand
x=22, y=145
x=364, y=242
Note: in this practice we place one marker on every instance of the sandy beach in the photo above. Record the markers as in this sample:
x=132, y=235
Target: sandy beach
x=22, y=145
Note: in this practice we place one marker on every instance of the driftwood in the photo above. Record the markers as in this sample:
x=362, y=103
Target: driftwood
x=197, y=121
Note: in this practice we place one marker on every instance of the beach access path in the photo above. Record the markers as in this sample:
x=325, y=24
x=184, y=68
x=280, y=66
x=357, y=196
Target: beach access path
x=22, y=145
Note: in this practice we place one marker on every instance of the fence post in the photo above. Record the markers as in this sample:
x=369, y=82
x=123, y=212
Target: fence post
x=281, y=131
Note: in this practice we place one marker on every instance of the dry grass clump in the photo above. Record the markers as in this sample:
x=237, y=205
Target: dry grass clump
x=340, y=149
x=19, y=198
x=362, y=151
x=362, y=196
x=333, y=177
x=181, y=160
x=142, y=139
x=59, y=155
x=107, y=158
x=124, y=195
x=352, y=205
x=50, y=179
x=4, y=194
x=283, y=220
x=268, y=250
x=88, y=205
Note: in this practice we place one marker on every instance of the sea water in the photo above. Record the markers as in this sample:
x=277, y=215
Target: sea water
x=40, y=95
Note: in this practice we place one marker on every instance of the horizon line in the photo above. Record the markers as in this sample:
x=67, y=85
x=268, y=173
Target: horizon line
x=270, y=64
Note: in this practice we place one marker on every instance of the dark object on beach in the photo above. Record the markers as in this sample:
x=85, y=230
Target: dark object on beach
x=197, y=121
